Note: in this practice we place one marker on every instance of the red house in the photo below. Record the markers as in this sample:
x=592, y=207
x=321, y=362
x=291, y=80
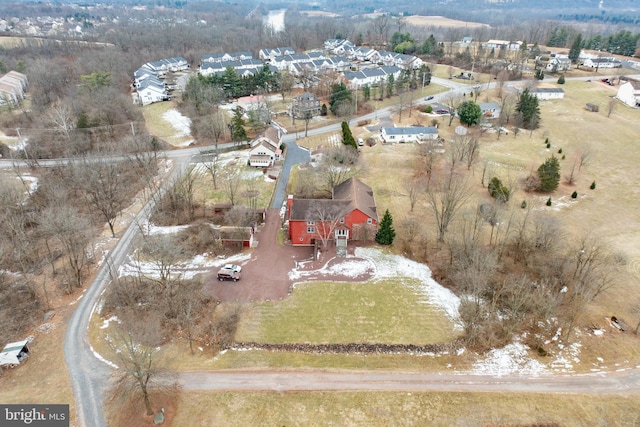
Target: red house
x=350, y=214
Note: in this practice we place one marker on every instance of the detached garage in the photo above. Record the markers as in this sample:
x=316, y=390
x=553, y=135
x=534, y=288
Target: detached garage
x=14, y=353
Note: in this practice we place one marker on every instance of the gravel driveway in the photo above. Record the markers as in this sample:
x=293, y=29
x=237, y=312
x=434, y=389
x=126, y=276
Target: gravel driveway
x=265, y=275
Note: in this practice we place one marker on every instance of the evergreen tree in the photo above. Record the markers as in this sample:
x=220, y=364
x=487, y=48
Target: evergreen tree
x=366, y=92
x=561, y=80
x=539, y=74
x=323, y=110
x=339, y=95
x=528, y=106
x=390, y=84
x=576, y=47
x=469, y=113
x=238, y=132
x=497, y=190
x=549, y=173
x=386, y=233
x=347, y=136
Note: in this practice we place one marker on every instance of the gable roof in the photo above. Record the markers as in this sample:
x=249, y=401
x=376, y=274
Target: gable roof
x=359, y=195
x=411, y=130
x=546, y=90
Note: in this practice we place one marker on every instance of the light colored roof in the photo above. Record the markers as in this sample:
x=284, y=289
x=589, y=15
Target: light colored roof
x=9, y=354
x=547, y=90
x=411, y=130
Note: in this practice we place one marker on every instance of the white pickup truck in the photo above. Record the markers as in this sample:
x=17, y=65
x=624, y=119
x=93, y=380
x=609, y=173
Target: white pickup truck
x=230, y=272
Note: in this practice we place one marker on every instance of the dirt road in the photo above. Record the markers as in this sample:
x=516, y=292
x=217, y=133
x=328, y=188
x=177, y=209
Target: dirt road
x=313, y=380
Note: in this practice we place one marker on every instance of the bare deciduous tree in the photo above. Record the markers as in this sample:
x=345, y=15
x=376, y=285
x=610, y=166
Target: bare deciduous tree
x=446, y=196
x=326, y=216
x=137, y=364
x=231, y=182
x=105, y=186
x=164, y=253
x=73, y=231
x=611, y=106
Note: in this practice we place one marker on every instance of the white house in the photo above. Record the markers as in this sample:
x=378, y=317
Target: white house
x=370, y=76
x=150, y=90
x=417, y=134
x=602, y=63
x=558, y=64
x=629, y=93
x=221, y=57
x=547, y=92
x=270, y=54
x=265, y=150
x=490, y=110
x=14, y=353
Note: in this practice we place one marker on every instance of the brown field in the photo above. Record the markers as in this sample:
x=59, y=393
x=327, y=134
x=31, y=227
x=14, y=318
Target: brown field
x=441, y=21
x=406, y=409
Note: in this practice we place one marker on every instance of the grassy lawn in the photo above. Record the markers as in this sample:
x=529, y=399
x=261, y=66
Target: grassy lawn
x=158, y=126
x=43, y=377
x=377, y=311
x=403, y=409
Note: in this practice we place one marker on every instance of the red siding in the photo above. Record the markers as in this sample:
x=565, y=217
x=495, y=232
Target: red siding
x=298, y=229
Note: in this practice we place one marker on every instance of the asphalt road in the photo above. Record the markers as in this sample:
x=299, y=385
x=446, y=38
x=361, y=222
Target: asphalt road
x=89, y=376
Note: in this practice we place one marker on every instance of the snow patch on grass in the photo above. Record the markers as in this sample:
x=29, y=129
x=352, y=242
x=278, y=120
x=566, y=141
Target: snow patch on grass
x=395, y=266
x=512, y=359
x=180, y=123
x=185, y=269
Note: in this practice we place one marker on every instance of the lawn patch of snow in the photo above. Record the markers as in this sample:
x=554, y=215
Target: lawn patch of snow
x=179, y=122
x=394, y=266
x=105, y=323
x=185, y=269
x=512, y=359
x=154, y=230
x=349, y=267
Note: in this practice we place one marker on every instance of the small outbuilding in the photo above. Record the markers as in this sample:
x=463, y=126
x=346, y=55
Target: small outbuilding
x=14, y=353
x=592, y=107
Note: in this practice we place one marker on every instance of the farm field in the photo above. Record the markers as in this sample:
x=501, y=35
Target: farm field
x=407, y=408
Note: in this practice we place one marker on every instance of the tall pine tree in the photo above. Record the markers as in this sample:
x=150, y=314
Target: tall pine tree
x=347, y=136
x=576, y=47
x=528, y=106
x=386, y=233
x=549, y=173
x=238, y=132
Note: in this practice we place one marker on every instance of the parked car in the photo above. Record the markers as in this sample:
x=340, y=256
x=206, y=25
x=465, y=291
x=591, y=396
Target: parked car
x=230, y=272
x=442, y=112
x=360, y=142
x=430, y=97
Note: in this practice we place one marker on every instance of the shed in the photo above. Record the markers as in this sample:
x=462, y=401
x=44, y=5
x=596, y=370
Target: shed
x=14, y=353
x=592, y=107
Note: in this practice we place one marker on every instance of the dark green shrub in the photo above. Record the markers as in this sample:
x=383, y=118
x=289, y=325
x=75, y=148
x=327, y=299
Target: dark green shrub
x=497, y=190
x=561, y=80
x=560, y=151
x=549, y=174
x=593, y=185
x=574, y=195
x=549, y=201
x=548, y=145
x=523, y=205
